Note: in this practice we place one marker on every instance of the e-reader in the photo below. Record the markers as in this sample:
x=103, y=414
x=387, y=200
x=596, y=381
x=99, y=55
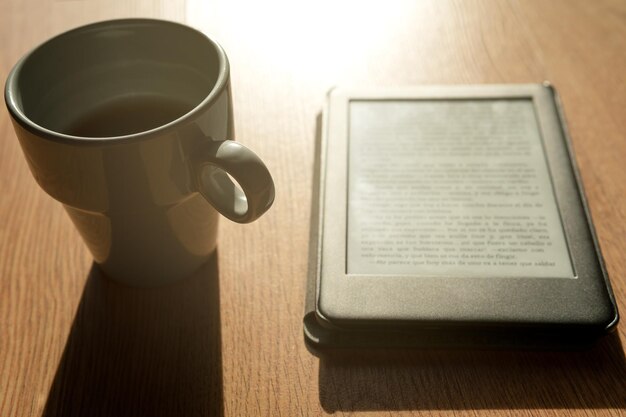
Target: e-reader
x=452, y=216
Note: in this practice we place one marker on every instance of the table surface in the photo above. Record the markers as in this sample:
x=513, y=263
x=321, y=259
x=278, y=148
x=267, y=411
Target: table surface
x=228, y=340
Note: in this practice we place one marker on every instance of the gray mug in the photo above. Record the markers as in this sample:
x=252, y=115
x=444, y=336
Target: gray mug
x=129, y=124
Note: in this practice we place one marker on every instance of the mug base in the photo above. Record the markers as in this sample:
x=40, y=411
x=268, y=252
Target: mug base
x=152, y=279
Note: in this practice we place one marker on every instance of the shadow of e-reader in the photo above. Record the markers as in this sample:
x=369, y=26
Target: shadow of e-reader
x=452, y=216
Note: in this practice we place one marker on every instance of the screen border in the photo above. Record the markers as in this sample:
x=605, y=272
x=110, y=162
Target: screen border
x=372, y=300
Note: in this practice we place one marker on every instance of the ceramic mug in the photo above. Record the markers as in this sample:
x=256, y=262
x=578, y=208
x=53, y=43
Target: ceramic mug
x=129, y=124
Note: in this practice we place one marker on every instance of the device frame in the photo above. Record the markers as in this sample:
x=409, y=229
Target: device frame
x=370, y=302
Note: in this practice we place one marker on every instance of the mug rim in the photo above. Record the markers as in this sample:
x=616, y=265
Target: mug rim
x=18, y=115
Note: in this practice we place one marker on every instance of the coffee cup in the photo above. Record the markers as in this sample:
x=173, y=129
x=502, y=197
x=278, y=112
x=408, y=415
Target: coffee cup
x=129, y=124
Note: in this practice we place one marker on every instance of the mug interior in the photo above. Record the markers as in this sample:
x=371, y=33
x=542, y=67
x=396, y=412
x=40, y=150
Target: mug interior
x=125, y=65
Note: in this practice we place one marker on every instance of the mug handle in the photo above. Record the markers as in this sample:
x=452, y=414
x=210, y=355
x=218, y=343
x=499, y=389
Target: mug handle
x=215, y=161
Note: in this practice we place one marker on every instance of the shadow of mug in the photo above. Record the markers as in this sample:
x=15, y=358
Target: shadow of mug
x=135, y=351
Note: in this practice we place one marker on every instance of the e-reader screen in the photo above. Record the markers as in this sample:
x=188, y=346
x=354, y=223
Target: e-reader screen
x=455, y=188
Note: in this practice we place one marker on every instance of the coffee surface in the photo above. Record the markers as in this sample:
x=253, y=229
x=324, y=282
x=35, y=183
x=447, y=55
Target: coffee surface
x=127, y=115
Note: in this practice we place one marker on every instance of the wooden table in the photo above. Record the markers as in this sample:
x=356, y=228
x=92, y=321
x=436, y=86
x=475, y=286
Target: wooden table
x=228, y=341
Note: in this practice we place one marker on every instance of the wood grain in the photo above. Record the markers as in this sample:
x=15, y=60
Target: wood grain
x=228, y=341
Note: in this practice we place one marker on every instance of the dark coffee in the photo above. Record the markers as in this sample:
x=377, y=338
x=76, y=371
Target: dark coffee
x=127, y=115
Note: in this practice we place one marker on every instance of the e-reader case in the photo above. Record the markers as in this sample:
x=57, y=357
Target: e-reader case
x=352, y=307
